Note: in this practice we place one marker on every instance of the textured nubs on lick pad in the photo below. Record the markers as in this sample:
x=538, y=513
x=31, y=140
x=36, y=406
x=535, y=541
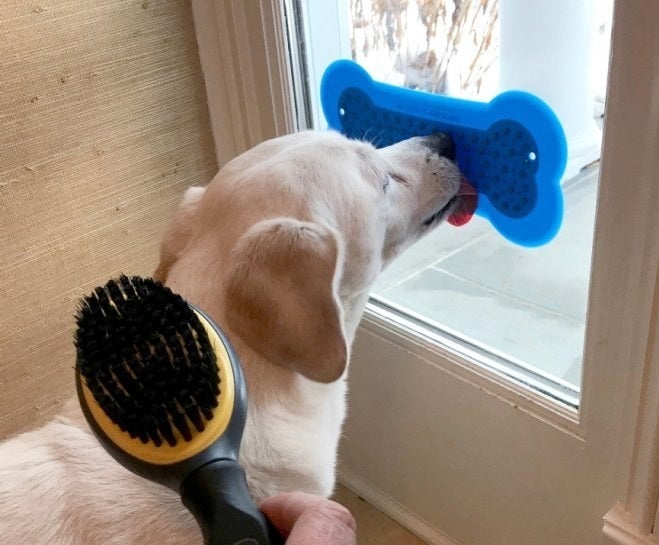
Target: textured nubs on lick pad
x=500, y=162
x=147, y=360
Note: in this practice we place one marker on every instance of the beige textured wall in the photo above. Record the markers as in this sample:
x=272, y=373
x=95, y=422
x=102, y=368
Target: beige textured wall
x=103, y=124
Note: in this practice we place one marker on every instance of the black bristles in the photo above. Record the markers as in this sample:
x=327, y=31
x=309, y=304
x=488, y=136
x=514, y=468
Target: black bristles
x=147, y=359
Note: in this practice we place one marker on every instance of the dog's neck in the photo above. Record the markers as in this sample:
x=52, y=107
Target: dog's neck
x=353, y=311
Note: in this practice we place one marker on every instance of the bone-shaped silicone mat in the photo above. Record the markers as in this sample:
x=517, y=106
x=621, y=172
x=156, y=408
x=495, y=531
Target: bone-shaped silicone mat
x=512, y=149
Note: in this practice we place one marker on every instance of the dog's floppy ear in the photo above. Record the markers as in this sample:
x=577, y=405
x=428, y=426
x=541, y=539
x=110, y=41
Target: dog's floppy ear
x=281, y=296
x=178, y=231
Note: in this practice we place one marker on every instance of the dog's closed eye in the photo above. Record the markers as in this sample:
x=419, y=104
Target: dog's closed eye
x=398, y=178
x=395, y=177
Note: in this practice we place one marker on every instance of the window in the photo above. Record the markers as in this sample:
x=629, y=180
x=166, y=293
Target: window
x=519, y=311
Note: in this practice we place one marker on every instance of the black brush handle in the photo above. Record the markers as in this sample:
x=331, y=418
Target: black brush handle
x=216, y=494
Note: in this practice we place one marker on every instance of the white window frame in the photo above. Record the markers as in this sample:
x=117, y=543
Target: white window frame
x=247, y=71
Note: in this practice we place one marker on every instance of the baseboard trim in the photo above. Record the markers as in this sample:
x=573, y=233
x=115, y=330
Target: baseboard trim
x=618, y=529
x=403, y=516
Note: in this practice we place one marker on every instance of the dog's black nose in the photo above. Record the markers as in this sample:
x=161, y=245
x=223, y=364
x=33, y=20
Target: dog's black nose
x=442, y=143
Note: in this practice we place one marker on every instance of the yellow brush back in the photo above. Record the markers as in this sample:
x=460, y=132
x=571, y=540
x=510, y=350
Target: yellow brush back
x=183, y=450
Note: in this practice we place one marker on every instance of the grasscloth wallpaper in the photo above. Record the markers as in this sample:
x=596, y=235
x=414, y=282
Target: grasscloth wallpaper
x=103, y=124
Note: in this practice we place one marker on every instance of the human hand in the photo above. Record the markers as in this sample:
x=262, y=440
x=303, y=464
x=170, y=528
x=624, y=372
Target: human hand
x=305, y=519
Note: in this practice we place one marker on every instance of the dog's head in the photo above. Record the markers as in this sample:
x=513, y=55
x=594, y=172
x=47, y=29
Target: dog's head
x=282, y=247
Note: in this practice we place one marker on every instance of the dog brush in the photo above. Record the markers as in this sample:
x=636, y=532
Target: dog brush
x=163, y=390
x=512, y=149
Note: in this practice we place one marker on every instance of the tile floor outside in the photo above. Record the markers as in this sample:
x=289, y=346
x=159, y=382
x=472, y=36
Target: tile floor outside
x=527, y=303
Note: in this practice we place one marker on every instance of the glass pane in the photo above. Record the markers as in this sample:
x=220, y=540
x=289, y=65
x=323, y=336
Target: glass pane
x=523, y=310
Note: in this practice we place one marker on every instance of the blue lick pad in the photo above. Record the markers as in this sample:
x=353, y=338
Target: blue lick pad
x=512, y=149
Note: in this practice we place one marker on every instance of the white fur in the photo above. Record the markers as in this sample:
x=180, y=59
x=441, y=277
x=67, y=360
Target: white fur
x=295, y=230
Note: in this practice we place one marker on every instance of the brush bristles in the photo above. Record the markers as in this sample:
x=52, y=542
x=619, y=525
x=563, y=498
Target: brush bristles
x=147, y=359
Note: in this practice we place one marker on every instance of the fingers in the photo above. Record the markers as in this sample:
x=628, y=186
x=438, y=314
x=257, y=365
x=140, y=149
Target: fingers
x=284, y=510
x=305, y=519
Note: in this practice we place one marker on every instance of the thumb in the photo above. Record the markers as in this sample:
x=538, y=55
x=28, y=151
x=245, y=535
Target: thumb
x=310, y=519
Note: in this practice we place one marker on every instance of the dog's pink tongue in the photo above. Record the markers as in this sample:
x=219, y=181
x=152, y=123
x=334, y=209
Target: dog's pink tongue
x=466, y=205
